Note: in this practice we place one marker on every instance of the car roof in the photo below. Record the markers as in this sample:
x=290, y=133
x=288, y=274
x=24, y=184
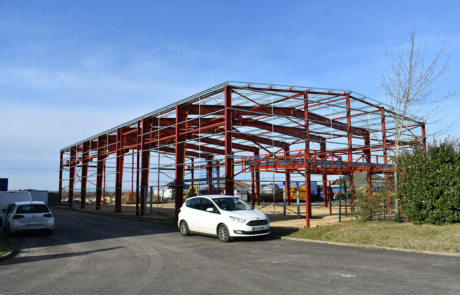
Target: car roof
x=30, y=203
x=214, y=196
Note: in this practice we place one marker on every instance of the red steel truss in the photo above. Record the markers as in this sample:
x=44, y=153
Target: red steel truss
x=295, y=131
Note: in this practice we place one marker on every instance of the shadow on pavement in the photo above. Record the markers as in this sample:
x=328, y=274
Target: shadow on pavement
x=37, y=258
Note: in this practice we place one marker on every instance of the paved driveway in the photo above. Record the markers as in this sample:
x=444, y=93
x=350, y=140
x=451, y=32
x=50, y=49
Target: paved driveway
x=91, y=254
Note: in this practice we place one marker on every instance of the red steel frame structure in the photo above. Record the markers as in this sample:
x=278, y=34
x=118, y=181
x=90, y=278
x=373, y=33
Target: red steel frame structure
x=242, y=127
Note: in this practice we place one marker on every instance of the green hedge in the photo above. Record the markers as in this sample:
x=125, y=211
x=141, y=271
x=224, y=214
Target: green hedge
x=429, y=186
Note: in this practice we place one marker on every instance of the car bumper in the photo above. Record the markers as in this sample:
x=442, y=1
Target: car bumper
x=28, y=227
x=249, y=231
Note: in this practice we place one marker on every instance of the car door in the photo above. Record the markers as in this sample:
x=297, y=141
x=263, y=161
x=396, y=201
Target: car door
x=208, y=220
x=8, y=214
x=193, y=212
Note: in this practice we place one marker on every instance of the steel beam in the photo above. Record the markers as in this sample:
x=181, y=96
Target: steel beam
x=222, y=143
x=291, y=131
x=258, y=139
x=280, y=111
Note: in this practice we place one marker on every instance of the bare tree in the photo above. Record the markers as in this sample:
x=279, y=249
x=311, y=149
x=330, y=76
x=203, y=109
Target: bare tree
x=411, y=84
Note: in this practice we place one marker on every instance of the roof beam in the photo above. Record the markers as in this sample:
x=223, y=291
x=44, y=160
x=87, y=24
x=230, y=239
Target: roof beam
x=291, y=131
x=280, y=111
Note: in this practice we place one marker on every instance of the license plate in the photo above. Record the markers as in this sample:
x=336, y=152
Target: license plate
x=34, y=225
x=257, y=228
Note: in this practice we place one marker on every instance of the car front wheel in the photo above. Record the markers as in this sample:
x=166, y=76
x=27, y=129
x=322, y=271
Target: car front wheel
x=184, y=228
x=223, y=233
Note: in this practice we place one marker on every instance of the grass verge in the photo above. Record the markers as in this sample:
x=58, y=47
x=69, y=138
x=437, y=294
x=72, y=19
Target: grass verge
x=3, y=249
x=409, y=236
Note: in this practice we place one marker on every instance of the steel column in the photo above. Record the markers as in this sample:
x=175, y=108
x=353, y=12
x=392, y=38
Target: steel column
x=229, y=183
x=138, y=149
x=209, y=175
x=307, y=173
x=181, y=116
x=101, y=141
x=253, y=191
x=322, y=147
x=329, y=196
x=73, y=163
x=424, y=137
x=119, y=170
x=350, y=152
x=288, y=179
x=369, y=188
x=352, y=189
x=60, y=178
x=192, y=172
x=84, y=173
x=257, y=178
x=324, y=176
x=367, y=142
x=385, y=157
x=307, y=199
x=145, y=163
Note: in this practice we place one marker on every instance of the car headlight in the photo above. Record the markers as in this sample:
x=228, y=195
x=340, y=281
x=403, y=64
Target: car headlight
x=237, y=220
x=266, y=216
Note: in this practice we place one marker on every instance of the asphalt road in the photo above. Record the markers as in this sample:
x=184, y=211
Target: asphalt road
x=91, y=254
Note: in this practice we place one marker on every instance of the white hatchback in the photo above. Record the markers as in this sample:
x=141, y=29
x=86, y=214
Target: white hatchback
x=28, y=216
x=223, y=216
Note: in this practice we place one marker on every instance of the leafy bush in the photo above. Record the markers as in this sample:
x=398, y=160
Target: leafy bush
x=375, y=209
x=429, y=186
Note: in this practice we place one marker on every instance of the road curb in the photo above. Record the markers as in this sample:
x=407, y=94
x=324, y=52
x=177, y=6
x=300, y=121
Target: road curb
x=368, y=246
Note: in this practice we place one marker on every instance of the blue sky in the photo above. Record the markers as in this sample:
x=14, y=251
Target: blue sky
x=71, y=69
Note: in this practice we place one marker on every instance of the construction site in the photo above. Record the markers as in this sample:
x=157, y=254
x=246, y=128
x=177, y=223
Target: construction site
x=237, y=138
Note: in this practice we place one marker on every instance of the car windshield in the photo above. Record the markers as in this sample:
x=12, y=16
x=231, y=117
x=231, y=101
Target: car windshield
x=24, y=209
x=232, y=204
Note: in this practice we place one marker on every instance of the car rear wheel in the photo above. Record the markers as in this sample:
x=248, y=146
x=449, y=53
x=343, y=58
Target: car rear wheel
x=223, y=233
x=10, y=233
x=184, y=228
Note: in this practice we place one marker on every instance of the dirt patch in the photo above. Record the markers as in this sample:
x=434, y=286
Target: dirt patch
x=320, y=216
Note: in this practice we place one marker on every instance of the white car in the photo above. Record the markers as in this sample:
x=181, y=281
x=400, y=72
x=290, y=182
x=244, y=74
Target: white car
x=28, y=216
x=223, y=216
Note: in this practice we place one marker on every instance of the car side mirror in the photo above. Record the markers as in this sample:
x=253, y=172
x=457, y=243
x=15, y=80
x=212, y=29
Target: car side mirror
x=210, y=209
